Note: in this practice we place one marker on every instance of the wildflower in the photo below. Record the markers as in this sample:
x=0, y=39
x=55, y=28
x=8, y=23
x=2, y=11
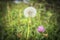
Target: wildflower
x=30, y=12
x=40, y=29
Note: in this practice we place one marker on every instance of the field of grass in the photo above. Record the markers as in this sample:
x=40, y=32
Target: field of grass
x=15, y=24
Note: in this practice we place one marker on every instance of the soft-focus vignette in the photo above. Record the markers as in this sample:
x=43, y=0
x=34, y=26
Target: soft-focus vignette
x=29, y=20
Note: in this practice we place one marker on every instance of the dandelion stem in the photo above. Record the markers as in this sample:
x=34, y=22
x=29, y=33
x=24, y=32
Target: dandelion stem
x=28, y=31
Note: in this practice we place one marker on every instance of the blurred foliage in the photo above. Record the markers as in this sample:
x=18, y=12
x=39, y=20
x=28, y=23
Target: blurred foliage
x=14, y=25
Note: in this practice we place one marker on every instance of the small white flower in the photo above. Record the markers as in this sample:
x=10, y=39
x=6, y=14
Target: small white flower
x=30, y=12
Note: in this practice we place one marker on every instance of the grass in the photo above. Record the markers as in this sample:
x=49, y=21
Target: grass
x=16, y=26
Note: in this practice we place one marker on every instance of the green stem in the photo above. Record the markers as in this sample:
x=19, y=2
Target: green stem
x=28, y=31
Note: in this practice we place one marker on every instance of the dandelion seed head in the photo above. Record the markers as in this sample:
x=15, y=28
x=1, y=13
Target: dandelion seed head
x=30, y=12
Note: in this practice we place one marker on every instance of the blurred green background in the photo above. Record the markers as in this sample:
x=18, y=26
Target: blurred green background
x=14, y=25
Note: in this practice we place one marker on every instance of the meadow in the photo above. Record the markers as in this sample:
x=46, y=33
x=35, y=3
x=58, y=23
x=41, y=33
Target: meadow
x=15, y=26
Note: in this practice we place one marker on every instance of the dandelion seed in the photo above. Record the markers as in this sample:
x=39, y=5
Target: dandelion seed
x=30, y=12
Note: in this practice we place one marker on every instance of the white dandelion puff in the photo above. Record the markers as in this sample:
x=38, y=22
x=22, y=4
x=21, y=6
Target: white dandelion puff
x=30, y=12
